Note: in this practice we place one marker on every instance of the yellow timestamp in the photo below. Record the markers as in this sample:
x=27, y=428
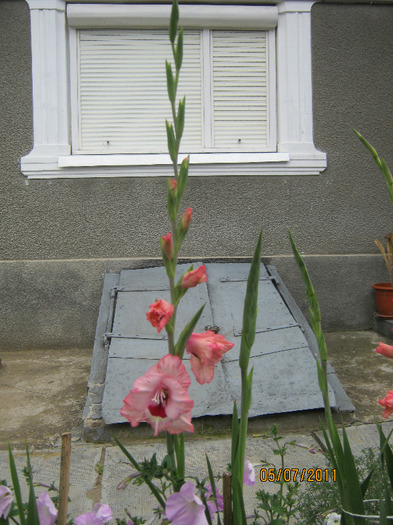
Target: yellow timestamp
x=310, y=475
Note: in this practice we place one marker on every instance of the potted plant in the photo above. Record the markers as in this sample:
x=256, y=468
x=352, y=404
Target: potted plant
x=383, y=291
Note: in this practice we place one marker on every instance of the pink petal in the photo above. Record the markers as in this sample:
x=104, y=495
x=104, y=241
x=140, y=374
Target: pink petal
x=203, y=373
x=185, y=508
x=385, y=350
x=47, y=512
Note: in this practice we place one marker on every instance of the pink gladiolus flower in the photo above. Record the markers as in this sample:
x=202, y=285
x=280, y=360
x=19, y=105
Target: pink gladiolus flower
x=47, y=512
x=172, y=184
x=5, y=501
x=186, y=218
x=387, y=402
x=206, y=350
x=194, y=277
x=211, y=504
x=160, y=314
x=385, y=350
x=185, y=507
x=167, y=245
x=249, y=473
x=160, y=397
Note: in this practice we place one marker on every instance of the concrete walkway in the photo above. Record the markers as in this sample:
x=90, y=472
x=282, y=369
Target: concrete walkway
x=97, y=470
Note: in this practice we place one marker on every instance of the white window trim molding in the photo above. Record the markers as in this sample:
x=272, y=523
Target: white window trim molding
x=51, y=155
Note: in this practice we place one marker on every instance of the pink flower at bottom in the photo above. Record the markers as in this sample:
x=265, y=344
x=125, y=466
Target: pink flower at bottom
x=206, y=350
x=249, y=473
x=47, y=512
x=100, y=515
x=211, y=504
x=160, y=314
x=387, y=402
x=160, y=397
x=89, y=518
x=194, y=277
x=103, y=512
x=5, y=501
x=185, y=508
x=385, y=350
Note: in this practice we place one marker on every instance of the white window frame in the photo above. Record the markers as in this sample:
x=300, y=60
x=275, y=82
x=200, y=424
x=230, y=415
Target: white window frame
x=52, y=31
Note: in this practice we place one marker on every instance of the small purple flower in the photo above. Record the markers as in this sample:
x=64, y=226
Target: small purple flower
x=103, y=512
x=88, y=519
x=47, y=512
x=249, y=473
x=5, y=501
x=211, y=504
x=100, y=515
x=185, y=507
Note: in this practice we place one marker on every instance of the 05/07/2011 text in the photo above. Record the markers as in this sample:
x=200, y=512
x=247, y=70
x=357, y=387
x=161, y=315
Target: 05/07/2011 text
x=294, y=474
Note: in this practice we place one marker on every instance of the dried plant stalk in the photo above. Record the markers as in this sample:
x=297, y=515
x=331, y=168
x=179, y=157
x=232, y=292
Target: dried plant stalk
x=387, y=254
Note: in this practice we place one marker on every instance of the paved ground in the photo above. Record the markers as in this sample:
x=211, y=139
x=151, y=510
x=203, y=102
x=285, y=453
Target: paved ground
x=43, y=393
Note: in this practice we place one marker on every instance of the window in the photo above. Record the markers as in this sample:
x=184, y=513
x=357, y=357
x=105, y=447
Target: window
x=100, y=102
x=121, y=102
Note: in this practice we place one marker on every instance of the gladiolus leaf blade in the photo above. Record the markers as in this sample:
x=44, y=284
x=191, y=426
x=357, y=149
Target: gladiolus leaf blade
x=16, y=486
x=186, y=333
x=250, y=307
x=32, y=511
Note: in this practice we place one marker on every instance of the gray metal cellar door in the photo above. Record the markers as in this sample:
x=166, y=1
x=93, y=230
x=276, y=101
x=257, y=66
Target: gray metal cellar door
x=285, y=374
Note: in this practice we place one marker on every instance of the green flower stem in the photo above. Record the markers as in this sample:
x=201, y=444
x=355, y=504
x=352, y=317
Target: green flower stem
x=171, y=455
x=178, y=442
x=171, y=334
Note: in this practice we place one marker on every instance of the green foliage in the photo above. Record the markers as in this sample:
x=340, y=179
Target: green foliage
x=320, y=499
x=350, y=489
x=239, y=435
x=281, y=506
x=186, y=333
x=380, y=163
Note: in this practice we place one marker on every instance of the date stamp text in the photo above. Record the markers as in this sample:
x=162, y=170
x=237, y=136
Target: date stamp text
x=309, y=475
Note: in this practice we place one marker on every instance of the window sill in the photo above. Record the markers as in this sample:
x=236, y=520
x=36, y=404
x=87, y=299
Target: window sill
x=34, y=166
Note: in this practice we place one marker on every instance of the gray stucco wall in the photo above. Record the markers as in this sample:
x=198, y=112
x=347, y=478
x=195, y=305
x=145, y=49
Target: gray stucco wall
x=58, y=237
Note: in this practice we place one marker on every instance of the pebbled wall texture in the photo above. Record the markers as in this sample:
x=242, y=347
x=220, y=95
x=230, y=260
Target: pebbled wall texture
x=59, y=237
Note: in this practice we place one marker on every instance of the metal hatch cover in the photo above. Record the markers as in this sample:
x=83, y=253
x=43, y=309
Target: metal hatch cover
x=126, y=345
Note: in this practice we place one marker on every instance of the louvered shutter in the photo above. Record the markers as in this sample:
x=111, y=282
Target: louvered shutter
x=123, y=99
x=240, y=87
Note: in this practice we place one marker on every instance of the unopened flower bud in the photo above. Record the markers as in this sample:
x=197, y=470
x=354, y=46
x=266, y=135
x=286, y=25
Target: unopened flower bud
x=172, y=185
x=167, y=246
x=186, y=218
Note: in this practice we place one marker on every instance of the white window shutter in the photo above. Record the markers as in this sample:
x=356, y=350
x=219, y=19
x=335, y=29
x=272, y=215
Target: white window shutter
x=123, y=102
x=240, y=86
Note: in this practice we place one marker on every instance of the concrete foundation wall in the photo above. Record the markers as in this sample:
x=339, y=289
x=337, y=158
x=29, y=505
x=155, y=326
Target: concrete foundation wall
x=57, y=238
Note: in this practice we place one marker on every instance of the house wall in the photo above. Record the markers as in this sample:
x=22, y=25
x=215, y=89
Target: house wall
x=58, y=237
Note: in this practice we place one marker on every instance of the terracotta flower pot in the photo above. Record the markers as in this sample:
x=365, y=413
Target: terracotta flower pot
x=384, y=299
